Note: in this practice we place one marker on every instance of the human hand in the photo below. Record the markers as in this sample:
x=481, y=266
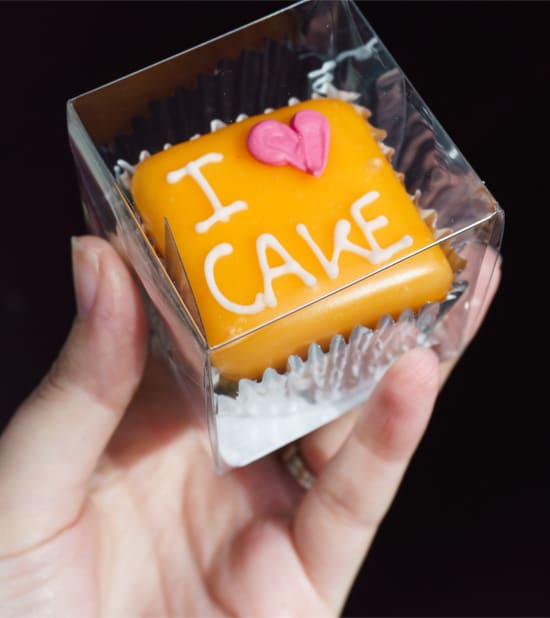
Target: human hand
x=110, y=505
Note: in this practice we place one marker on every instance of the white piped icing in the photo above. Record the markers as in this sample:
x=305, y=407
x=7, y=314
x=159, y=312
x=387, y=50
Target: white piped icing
x=213, y=256
x=290, y=267
x=341, y=243
x=375, y=254
x=193, y=169
x=266, y=298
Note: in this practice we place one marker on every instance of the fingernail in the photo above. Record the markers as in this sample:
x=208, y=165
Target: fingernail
x=85, y=276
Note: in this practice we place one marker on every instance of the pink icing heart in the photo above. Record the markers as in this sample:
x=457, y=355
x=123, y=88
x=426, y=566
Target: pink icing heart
x=303, y=144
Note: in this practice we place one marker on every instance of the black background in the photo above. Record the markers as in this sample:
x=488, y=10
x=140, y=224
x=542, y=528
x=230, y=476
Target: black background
x=468, y=534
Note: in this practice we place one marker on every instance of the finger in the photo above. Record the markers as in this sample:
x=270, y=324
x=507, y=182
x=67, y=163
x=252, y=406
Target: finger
x=51, y=447
x=340, y=514
x=321, y=445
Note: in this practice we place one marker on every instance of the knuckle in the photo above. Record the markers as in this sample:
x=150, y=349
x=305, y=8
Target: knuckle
x=346, y=505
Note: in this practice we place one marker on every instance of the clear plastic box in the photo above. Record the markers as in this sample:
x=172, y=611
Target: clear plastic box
x=313, y=49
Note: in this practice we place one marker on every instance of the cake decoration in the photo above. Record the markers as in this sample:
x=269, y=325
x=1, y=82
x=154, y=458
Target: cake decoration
x=260, y=242
x=304, y=144
x=193, y=169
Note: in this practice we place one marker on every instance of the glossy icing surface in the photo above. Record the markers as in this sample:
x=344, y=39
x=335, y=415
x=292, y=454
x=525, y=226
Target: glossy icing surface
x=259, y=239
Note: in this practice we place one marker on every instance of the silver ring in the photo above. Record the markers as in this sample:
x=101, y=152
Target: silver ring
x=295, y=464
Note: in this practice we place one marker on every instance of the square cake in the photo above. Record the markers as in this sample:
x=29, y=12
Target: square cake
x=296, y=214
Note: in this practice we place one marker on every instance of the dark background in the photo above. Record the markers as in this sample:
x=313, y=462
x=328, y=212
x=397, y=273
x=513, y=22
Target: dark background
x=468, y=534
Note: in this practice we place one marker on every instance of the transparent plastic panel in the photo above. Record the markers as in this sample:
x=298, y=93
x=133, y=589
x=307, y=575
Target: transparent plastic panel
x=314, y=327
x=256, y=416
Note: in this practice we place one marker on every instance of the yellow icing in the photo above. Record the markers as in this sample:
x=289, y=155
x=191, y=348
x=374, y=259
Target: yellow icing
x=276, y=201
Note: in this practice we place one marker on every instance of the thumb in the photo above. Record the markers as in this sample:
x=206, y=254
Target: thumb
x=52, y=445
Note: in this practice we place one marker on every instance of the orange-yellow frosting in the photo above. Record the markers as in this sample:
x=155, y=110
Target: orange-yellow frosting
x=258, y=241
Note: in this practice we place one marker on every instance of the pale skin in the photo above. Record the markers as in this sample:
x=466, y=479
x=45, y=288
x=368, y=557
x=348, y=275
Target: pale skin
x=110, y=506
